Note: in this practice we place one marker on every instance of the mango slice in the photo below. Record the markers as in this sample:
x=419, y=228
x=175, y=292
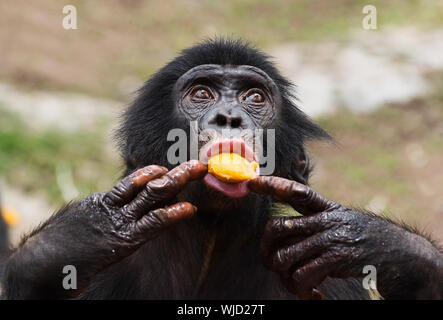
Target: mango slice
x=231, y=167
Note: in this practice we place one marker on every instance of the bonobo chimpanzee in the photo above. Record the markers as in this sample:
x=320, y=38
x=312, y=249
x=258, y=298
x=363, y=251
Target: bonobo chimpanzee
x=163, y=232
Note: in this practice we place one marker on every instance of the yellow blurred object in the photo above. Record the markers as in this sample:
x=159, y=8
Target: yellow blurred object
x=10, y=216
x=231, y=167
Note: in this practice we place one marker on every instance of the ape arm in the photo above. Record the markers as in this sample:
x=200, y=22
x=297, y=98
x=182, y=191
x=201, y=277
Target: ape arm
x=71, y=237
x=332, y=240
x=98, y=231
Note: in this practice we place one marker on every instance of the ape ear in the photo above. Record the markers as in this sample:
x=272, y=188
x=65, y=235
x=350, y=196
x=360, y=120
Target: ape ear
x=301, y=167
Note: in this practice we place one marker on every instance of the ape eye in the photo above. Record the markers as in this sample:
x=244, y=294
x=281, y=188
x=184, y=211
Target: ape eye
x=254, y=96
x=201, y=93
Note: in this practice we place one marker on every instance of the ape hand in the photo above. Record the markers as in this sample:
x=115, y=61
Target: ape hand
x=135, y=210
x=116, y=223
x=336, y=241
x=98, y=231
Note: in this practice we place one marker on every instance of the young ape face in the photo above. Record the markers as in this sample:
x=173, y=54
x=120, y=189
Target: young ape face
x=229, y=103
x=226, y=88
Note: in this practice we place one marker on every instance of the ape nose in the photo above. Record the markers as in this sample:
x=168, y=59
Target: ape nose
x=223, y=120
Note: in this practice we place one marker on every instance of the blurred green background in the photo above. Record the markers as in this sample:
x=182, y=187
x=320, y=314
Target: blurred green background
x=61, y=92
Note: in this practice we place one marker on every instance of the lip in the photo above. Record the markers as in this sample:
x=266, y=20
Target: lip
x=237, y=146
x=232, y=190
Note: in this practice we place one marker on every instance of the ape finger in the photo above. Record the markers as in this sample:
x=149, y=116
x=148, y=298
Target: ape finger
x=301, y=197
x=295, y=229
x=125, y=191
x=301, y=227
x=312, y=274
x=157, y=220
x=285, y=259
x=160, y=190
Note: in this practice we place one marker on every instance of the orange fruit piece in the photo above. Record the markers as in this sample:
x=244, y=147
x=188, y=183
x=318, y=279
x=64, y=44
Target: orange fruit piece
x=231, y=167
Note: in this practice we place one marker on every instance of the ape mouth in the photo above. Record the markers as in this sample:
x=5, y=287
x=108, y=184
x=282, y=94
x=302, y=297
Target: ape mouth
x=237, y=146
x=237, y=189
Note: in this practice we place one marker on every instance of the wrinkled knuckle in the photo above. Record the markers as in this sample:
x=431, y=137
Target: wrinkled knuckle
x=333, y=218
x=288, y=223
x=171, y=180
x=335, y=206
x=311, y=195
x=148, y=192
x=346, y=252
x=272, y=226
x=151, y=195
x=329, y=239
x=126, y=234
x=154, y=219
x=321, y=242
x=162, y=183
x=97, y=199
x=120, y=189
x=339, y=235
x=116, y=194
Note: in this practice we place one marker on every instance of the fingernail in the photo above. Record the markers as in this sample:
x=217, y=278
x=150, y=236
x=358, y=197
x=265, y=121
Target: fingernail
x=316, y=295
x=195, y=208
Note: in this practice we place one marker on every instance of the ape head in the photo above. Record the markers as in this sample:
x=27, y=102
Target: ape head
x=225, y=87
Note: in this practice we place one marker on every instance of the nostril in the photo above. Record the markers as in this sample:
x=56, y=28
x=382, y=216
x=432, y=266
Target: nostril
x=221, y=120
x=236, y=122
